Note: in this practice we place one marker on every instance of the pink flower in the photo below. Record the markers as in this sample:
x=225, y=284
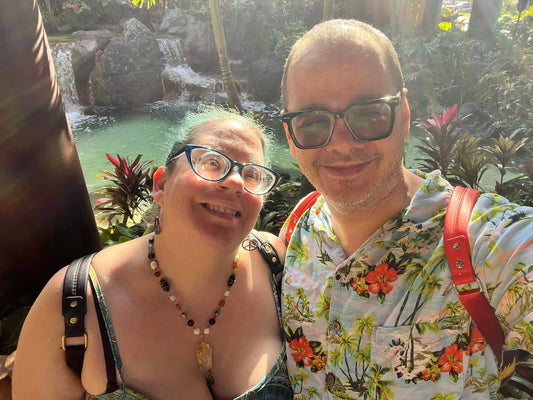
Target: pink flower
x=74, y=6
x=439, y=121
x=102, y=200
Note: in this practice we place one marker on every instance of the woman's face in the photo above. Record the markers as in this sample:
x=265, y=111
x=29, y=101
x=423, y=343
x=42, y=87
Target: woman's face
x=217, y=211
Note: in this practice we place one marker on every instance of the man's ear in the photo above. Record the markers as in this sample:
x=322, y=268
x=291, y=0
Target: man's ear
x=292, y=147
x=160, y=179
x=406, y=115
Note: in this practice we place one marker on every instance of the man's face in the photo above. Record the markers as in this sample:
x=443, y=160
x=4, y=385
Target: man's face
x=353, y=176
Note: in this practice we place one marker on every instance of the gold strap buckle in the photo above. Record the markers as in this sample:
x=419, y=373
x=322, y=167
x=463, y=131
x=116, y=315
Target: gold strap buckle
x=64, y=341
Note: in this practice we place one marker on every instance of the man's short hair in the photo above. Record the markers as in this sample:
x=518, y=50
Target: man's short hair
x=344, y=32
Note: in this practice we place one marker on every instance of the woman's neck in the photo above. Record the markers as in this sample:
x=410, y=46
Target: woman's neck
x=192, y=263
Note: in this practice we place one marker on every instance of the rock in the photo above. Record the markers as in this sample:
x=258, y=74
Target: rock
x=128, y=72
x=84, y=51
x=197, y=39
x=93, y=35
x=174, y=20
x=264, y=77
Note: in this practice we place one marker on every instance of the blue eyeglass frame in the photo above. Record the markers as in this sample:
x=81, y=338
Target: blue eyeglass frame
x=391, y=101
x=190, y=147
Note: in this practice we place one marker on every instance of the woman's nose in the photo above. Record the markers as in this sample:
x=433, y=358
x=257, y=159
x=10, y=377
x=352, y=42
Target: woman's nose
x=233, y=180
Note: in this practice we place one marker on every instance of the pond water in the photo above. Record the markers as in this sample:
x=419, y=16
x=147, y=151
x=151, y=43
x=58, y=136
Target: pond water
x=130, y=135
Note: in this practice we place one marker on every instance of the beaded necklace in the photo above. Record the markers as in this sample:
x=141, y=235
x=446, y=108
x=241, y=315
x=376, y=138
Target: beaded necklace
x=204, y=351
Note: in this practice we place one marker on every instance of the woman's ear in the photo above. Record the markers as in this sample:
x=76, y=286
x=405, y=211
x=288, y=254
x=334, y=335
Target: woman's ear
x=160, y=179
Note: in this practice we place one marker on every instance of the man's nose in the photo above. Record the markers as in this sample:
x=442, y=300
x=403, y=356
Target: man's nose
x=341, y=135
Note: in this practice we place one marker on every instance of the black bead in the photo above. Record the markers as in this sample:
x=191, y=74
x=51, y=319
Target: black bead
x=212, y=321
x=190, y=322
x=164, y=285
x=231, y=280
x=217, y=312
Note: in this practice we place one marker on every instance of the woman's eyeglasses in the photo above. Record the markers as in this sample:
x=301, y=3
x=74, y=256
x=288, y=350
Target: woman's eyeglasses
x=215, y=166
x=367, y=121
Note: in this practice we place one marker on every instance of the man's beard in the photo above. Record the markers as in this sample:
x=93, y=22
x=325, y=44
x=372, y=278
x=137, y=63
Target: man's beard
x=346, y=204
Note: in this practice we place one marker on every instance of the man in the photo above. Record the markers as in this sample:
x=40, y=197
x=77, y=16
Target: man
x=369, y=308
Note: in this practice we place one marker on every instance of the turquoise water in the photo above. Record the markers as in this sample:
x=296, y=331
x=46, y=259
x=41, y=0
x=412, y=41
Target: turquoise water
x=133, y=135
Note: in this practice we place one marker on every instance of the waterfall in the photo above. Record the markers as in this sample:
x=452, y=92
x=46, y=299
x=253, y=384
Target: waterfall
x=61, y=54
x=172, y=53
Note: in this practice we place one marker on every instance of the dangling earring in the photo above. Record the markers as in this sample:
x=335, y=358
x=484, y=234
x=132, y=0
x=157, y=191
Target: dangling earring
x=157, y=226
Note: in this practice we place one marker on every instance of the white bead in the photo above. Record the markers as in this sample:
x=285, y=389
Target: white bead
x=206, y=331
x=226, y=293
x=172, y=298
x=196, y=331
x=154, y=265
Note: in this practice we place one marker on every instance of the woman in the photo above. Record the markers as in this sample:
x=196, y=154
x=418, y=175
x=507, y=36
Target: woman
x=191, y=309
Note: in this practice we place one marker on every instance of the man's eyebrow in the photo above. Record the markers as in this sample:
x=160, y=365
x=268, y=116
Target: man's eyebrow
x=354, y=100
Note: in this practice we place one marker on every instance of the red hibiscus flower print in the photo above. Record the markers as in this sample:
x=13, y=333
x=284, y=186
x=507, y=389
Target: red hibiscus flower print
x=452, y=359
x=302, y=351
x=379, y=279
x=477, y=342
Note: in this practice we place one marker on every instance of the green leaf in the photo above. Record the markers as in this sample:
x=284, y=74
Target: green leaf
x=11, y=326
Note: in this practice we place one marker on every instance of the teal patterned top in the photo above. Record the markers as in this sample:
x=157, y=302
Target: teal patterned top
x=274, y=386
x=385, y=322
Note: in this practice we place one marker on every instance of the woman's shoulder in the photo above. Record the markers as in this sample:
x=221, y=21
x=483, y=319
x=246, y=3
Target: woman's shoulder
x=274, y=241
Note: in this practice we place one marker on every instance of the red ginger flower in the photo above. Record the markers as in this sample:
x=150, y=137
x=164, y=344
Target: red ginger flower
x=439, y=121
x=379, y=279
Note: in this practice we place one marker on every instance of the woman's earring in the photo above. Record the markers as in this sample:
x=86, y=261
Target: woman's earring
x=157, y=226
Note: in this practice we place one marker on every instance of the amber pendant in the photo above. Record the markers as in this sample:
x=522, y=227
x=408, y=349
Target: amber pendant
x=204, y=357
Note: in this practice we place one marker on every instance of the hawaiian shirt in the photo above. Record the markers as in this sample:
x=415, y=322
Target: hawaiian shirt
x=385, y=322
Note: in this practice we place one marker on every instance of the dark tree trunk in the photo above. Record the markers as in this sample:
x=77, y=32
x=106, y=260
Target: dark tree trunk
x=432, y=13
x=485, y=14
x=45, y=212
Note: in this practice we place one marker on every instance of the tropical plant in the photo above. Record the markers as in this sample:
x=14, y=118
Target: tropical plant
x=469, y=162
x=277, y=206
x=440, y=144
x=129, y=197
x=502, y=151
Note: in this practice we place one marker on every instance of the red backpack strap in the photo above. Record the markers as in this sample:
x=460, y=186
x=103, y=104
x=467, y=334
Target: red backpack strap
x=295, y=216
x=457, y=248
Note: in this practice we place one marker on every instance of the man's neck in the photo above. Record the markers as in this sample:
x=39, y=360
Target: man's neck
x=355, y=228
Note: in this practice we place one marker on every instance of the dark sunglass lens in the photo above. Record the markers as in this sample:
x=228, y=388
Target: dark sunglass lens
x=311, y=129
x=370, y=121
